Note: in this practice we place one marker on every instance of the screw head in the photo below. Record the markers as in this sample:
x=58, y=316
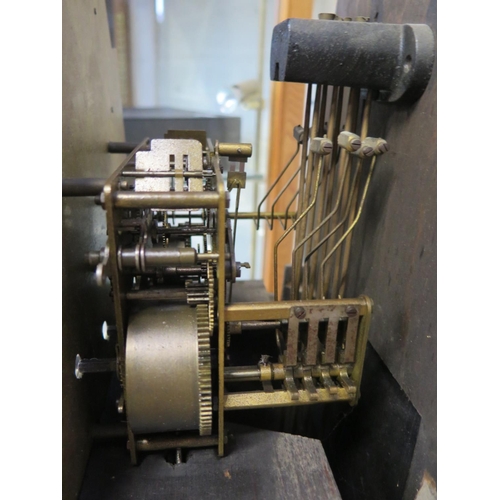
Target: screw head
x=383, y=147
x=321, y=146
x=355, y=144
x=367, y=151
x=327, y=147
x=299, y=312
x=351, y=311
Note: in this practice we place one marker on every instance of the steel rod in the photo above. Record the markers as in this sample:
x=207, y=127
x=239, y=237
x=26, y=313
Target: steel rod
x=126, y=147
x=174, y=295
x=152, y=173
x=253, y=373
x=263, y=215
x=241, y=373
x=260, y=325
x=167, y=200
x=93, y=365
x=82, y=187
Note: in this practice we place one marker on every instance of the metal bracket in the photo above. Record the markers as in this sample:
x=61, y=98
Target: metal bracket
x=236, y=176
x=309, y=385
x=266, y=375
x=327, y=380
x=314, y=316
x=290, y=385
x=346, y=382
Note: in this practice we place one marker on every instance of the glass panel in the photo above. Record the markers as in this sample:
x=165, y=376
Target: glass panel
x=204, y=58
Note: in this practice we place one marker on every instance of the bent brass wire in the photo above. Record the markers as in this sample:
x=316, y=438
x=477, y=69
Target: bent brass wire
x=297, y=221
x=351, y=227
x=287, y=215
x=296, y=279
x=313, y=217
x=273, y=185
x=280, y=195
x=303, y=162
x=350, y=124
x=341, y=274
x=333, y=231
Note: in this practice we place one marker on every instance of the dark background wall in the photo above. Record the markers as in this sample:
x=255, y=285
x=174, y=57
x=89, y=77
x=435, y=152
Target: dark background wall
x=91, y=116
x=394, y=249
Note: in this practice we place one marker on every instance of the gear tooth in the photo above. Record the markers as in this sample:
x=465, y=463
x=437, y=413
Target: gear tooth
x=211, y=296
x=204, y=293
x=204, y=369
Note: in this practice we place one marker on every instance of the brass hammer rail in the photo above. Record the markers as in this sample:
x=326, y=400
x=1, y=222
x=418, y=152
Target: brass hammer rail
x=280, y=310
x=249, y=311
x=258, y=399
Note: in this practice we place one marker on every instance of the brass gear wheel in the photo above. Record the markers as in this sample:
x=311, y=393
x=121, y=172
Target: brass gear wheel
x=204, y=370
x=204, y=293
x=211, y=296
